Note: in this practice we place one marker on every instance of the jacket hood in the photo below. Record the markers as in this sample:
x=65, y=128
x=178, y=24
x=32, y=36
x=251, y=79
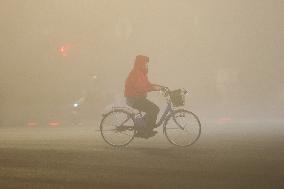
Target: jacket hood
x=140, y=63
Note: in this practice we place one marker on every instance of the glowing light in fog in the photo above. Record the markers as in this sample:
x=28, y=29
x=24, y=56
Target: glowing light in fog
x=63, y=50
x=75, y=105
x=224, y=120
x=53, y=124
x=31, y=124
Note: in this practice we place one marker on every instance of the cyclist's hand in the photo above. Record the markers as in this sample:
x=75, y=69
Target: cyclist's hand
x=157, y=87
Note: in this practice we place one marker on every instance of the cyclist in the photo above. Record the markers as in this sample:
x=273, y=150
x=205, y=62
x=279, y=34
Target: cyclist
x=137, y=86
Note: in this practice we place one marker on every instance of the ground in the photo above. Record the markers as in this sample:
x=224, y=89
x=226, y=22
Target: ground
x=226, y=156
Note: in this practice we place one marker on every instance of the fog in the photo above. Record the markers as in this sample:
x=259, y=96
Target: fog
x=229, y=54
x=64, y=62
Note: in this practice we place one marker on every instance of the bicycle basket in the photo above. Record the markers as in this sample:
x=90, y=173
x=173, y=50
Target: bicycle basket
x=177, y=97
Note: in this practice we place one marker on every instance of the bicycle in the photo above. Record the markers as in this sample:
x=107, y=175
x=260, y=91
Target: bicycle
x=125, y=123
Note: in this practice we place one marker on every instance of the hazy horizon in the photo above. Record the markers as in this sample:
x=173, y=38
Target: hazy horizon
x=229, y=54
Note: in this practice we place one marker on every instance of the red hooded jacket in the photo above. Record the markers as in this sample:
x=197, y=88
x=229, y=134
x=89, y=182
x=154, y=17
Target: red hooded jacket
x=137, y=83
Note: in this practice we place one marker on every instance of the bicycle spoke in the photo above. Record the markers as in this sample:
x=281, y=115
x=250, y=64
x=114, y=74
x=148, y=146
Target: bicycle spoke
x=183, y=129
x=117, y=128
x=125, y=134
x=175, y=128
x=110, y=129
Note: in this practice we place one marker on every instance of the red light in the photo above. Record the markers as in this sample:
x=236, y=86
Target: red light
x=224, y=120
x=53, y=124
x=64, y=50
x=32, y=124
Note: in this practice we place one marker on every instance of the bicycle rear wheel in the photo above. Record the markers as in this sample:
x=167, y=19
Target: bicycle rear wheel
x=117, y=128
x=183, y=128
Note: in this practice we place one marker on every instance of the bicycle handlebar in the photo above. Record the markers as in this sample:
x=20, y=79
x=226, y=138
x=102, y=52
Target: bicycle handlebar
x=166, y=91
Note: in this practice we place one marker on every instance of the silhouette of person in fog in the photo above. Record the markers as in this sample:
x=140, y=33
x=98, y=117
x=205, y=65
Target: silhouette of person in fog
x=137, y=86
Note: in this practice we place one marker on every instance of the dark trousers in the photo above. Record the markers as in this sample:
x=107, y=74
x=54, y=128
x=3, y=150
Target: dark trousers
x=144, y=105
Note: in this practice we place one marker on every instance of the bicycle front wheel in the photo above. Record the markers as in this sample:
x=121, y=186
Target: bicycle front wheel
x=117, y=128
x=183, y=128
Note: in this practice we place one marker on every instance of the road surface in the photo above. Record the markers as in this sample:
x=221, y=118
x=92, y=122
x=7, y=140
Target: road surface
x=226, y=156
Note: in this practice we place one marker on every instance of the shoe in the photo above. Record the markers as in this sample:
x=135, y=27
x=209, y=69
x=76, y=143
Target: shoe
x=139, y=134
x=146, y=134
x=152, y=133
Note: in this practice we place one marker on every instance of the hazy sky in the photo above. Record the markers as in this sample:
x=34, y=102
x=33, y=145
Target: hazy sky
x=228, y=53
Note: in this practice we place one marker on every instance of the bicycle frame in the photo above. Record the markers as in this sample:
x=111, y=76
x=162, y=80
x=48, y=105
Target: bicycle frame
x=168, y=110
x=172, y=118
